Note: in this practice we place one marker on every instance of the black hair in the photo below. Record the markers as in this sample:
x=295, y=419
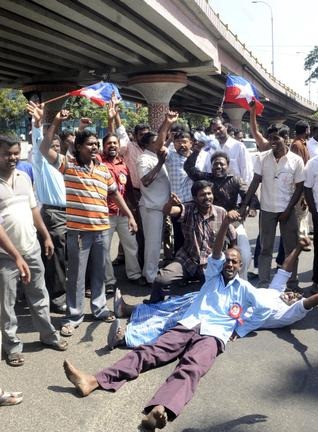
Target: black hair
x=56, y=138
x=66, y=133
x=109, y=135
x=183, y=134
x=301, y=126
x=198, y=185
x=9, y=140
x=140, y=126
x=80, y=138
x=220, y=154
x=278, y=128
x=145, y=140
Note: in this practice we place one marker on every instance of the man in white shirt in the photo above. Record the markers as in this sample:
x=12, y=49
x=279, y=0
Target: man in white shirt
x=281, y=173
x=155, y=192
x=311, y=196
x=241, y=164
x=312, y=143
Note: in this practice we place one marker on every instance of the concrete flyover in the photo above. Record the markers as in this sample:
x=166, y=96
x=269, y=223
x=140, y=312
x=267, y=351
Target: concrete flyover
x=47, y=46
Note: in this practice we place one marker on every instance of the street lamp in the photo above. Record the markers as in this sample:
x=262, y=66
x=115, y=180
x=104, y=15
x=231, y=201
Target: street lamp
x=272, y=27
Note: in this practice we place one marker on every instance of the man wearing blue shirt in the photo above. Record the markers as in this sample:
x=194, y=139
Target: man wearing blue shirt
x=50, y=192
x=196, y=341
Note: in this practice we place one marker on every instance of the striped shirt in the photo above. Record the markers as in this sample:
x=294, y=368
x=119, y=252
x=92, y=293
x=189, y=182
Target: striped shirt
x=86, y=194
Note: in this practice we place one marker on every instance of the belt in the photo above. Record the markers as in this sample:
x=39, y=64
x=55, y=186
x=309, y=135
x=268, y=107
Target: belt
x=52, y=207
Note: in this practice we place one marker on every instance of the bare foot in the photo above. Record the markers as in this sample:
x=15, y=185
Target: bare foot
x=157, y=418
x=83, y=382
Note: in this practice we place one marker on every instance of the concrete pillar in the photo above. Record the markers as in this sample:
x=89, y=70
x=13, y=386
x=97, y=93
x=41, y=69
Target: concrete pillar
x=158, y=90
x=235, y=114
x=44, y=92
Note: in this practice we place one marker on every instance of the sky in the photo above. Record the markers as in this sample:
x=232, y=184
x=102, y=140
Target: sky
x=295, y=35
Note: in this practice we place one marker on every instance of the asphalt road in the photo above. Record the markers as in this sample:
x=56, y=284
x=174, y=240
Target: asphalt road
x=267, y=382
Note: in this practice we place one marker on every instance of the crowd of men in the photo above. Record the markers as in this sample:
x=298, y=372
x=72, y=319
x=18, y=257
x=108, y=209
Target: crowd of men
x=57, y=227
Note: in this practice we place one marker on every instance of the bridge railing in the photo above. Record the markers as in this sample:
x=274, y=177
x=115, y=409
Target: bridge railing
x=241, y=47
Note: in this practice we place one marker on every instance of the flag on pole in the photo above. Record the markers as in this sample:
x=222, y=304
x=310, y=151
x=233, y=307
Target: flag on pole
x=241, y=92
x=99, y=93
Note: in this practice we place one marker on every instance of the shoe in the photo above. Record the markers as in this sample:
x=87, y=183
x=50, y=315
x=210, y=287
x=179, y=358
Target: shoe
x=60, y=345
x=110, y=288
x=60, y=309
x=141, y=281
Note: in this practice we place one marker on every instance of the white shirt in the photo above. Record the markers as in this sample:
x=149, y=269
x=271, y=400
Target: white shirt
x=312, y=147
x=130, y=152
x=241, y=164
x=278, y=179
x=311, y=177
x=16, y=204
x=281, y=314
x=157, y=193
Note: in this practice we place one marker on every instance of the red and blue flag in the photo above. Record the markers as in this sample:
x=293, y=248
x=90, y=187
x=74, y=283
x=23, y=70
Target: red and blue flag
x=241, y=92
x=99, y=93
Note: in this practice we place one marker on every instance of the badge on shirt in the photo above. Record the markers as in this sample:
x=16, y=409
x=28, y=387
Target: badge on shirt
x=122, y=179
x=235, y=312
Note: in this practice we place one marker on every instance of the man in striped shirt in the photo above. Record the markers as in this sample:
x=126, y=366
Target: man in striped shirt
x=87, y=185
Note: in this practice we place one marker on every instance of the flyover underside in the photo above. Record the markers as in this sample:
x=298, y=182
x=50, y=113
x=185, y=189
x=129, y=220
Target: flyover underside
x=80, y=42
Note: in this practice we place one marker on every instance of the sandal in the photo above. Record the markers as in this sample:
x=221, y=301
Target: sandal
x=67, y=330
x=15, y=359
x=61, y=345
x=109, y=317
x=12, y=398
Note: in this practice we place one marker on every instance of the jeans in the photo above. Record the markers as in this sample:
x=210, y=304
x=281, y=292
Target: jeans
x=81, y=244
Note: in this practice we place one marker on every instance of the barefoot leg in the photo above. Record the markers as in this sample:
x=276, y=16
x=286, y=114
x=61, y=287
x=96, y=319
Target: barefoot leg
x=83, y=382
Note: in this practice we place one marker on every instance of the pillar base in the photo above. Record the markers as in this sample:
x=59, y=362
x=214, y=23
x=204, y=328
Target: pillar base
x=158, y=90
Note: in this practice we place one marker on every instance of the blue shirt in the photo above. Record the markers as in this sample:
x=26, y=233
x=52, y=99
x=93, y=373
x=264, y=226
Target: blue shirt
x=211, y=308
x=49, y=182
x=27, y=168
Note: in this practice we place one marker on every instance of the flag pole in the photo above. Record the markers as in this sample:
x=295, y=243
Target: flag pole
x=54, y=99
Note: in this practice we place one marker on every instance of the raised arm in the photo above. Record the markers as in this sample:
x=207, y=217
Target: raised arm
x=171, y=117
x=148, y=178
x=189, y=166
x=230, y=217
x=45, y=147
x=261, y=141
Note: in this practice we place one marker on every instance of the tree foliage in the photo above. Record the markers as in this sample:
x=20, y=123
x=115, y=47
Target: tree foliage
x=194, y=120
x=12, y=107
x=131, y=116
x=82, y=107
x=311, y=64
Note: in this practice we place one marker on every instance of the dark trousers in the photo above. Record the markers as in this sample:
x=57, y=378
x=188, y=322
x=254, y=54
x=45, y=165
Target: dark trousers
x=178, y=238
x=315, y=241
x=55, y=222
x=196, y=355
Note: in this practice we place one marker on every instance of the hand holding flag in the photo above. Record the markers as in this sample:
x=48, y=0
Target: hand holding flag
x=100, y=93
x=241, y=92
